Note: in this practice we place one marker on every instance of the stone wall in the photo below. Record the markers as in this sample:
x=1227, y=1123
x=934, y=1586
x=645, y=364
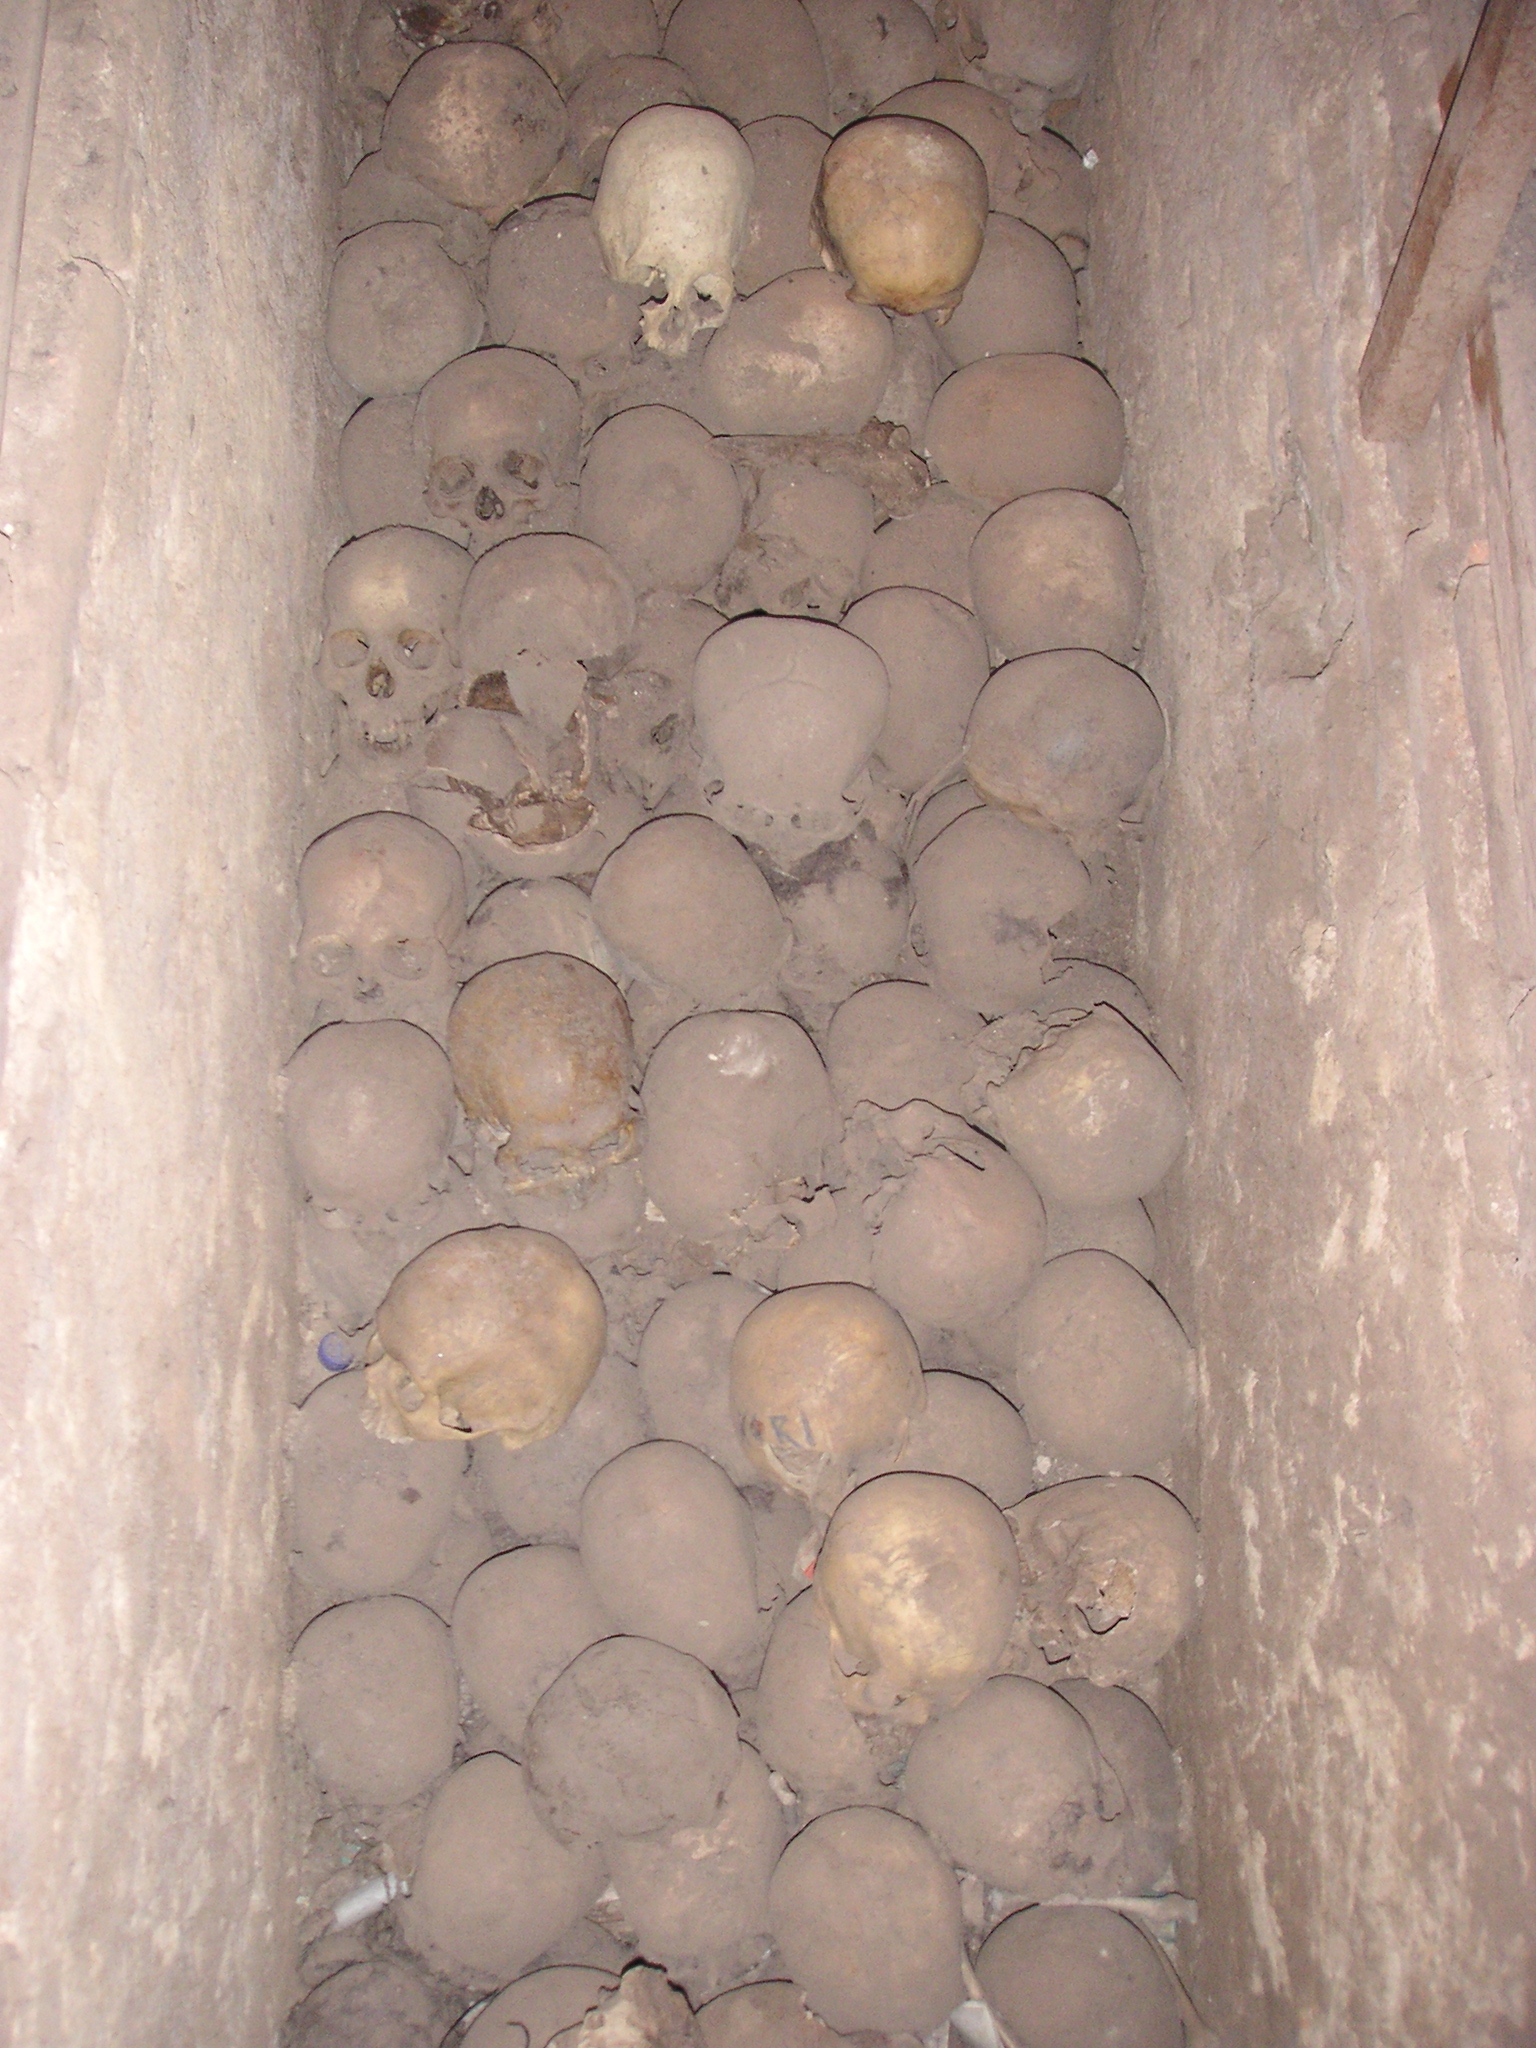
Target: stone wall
x=157, y=508
x=1319, y=938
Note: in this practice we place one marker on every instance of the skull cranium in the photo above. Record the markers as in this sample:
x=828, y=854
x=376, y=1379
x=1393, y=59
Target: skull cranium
x=382, y=899
x=499, y=431
x=391, y=608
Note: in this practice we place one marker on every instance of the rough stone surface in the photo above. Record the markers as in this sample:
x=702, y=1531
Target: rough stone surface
x=163, y=426
x=1344, y=1229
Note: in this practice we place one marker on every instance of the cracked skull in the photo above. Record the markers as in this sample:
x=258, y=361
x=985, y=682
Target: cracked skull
x=391, y=607
x=671, y=216
x=499, y=432
x=382, y=899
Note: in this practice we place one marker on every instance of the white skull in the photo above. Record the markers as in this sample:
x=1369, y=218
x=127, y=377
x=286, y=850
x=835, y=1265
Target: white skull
x=787, y=712
x=500, y=432
x=391, y=607
x=671, y=215
x=611, y=91
x=382, y=900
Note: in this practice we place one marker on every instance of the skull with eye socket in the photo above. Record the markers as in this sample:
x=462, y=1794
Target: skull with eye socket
x=391, y=607
x=382, y=899
x=499, y=433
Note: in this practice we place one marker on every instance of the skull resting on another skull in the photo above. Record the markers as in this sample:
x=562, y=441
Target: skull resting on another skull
x=499, y=432
x=391, y=612
x=382, y=899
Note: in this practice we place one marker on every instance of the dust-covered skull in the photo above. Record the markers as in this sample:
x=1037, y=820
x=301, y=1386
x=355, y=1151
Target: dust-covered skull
x=683, y=905
x=803, y=548
x=613, y=89
x=918, y=1579
x=750, y=58
x=499, y=433
x=660, y=497
x=398, y=309
x=1021, y=298
x=368, y=1110
x=541, y=1050
x=1111, y=1576
x=1008, y=425
x=872, y=48
x=825, y=1383
x=787, y=712
x=1034, y=51
x=936, y=661
x=391, y=616
x=1058, y=569
x=382, y=902
x=547, y=290
x=901, y=209
x=478, y=123
x=798, y=357
x=540, y=612
x=383, y=480
x=988, y=892
x=671, y=216
x=488, y=1330
x=787, y=154
x=568, y=37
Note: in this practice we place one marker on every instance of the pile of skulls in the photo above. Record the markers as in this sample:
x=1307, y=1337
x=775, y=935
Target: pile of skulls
x=739, y=1485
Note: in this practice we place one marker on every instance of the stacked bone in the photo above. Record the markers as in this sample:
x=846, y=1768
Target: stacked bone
x=750, y=1527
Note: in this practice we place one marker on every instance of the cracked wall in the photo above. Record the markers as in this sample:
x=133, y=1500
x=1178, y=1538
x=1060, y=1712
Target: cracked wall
x=1320, y=941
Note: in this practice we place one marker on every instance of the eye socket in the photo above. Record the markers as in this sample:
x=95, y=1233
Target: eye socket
x=417, y=649
x=330, y=957
x=406, y=959
x=523, y=468
x=347, y=648
x=452, y=476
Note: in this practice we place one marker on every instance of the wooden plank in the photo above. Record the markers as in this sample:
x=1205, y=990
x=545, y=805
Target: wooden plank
x=23, y=24
x=1484, y=155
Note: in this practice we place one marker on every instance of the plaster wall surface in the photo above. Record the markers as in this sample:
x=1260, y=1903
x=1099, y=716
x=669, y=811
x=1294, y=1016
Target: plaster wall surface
x=1323, y=945
x=159, y=555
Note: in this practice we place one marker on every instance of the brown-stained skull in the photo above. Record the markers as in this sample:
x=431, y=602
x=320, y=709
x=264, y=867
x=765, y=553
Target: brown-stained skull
x=803, y=548
x=488, y=1330
x=499, y=432
x=390, y=651
x=382, y=902
x=901, y=209
x=541, y=1050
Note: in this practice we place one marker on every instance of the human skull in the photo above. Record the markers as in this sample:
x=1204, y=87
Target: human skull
x=972, y=1432
x=901, y=208
x=1008, y=425
x=988, y=893
x=1110, y=1576
x=547, y=291
x=918, y=1579
x=1058, y=569
x=767, y=2014
x=1132, y=1851
x=527, y=804
x=568, y=37
x=398, y=309
x=786, y=154
x=369, y=1115
x=918, y=368
x=848, y=905
x=1089, y=1969
x=1021, y=298
x=697, y=1898
x=541, y=612
x=1007, y=1783
x=518, y=1620
x=644, y=713
x=739, y=1123
x=802, y=1725
x=872, y=48
x=798, y=357
x=538, y=916
x=684, y=1368
x=804, y=545
x=382, y=902
x=671, y=216
x=611, y=90
x=632, y=1738
x=927, y=549
x=478, y=123
x=959, y=1231
x=825, y=1383
x=547, y=2001
x=391, y=615
x=383, y=479
x=683, y=904
x=660, y=497
x=866, y=1917
x=982, y=118
x=488, y=1330
x=936, y=661
x=375, y=193
x=750, y=58
x=1104, y=1374
x=787, y=712
x=541, y=1049
x=375, y=1699
x=1065, y=739
x=898, y=1042
x=1035, y=51
x=499, y=433
x=1096, y=1115
x=668, y=1546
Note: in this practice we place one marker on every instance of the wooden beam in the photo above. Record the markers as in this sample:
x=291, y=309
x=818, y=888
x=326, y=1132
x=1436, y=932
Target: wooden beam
x=1484, y=155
